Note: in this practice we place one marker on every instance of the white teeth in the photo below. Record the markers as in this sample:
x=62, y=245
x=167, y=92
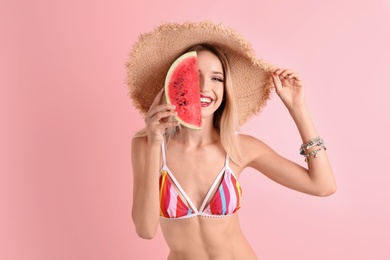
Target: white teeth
x=205, y=100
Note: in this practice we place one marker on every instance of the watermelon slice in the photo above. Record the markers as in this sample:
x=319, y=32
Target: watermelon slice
x=182, y=90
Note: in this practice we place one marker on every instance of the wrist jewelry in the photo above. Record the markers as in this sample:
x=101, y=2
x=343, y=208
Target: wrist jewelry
x=317, y=141
x=313, y=142
x=314, y=153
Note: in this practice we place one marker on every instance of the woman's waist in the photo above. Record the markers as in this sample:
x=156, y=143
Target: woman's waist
x=203, y=238
x=205, y=255
x=235, y=250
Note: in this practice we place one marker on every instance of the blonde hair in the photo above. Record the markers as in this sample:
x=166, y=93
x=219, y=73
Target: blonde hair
x=225, y=119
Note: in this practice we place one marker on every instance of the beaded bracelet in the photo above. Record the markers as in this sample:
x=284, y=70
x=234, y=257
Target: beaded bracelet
x=314, y=153
x=317, y=141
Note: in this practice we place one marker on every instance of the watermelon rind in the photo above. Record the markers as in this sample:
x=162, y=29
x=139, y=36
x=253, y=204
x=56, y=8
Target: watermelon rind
x=171, y=70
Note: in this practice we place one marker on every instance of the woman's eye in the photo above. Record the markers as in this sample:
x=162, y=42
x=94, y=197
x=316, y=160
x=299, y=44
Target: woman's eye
x=217, y=79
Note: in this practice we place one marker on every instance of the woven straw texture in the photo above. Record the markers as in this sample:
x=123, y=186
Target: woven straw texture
x=154, y=52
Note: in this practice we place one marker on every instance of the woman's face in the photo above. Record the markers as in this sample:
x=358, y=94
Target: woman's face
x=211, y=82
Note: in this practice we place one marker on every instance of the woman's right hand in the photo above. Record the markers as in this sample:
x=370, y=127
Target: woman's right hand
x=157, y=119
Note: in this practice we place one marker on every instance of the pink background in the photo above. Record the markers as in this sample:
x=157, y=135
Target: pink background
x=66, y=126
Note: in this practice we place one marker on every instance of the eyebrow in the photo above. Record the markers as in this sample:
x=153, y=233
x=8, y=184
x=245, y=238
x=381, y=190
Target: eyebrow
x=215, y=72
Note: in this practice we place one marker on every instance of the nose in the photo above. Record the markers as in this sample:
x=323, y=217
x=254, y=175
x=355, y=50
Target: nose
x=202, y=83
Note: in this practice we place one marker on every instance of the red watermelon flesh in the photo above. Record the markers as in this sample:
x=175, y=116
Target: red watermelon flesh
x=182, y=90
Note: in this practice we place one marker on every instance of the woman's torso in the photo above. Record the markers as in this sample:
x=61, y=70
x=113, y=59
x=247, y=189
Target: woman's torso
x=200, y=237
x=206, y=238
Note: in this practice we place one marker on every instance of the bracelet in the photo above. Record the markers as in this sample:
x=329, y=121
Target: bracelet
x=317, y=141
x=314, y=153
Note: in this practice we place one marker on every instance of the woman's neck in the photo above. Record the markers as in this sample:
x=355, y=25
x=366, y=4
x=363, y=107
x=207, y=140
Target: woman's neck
x=197, y=138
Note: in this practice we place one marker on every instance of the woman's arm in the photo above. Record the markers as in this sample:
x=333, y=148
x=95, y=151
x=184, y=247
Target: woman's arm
x=318, y=178
x=146, y=163
x=145, y=160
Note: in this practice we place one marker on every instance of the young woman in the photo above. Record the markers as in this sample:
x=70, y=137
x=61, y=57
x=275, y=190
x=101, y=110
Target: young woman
x=186, y=180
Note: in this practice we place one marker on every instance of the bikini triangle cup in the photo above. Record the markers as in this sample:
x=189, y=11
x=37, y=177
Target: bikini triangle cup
x=225, y=201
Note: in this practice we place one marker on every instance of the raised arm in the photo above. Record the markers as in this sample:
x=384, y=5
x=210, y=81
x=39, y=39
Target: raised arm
x=318, y=178
x=146, y=163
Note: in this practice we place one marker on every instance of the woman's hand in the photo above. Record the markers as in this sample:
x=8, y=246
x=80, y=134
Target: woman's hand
x=157, y=119
x=289, y=87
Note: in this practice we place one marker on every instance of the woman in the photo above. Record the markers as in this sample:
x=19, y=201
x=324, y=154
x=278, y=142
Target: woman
x=186, y=180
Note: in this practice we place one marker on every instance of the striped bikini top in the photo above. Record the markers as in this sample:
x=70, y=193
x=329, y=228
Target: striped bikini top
x=225, y=201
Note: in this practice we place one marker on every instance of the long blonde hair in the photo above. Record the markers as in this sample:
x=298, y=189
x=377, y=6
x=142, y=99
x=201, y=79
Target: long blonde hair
x=225, y=119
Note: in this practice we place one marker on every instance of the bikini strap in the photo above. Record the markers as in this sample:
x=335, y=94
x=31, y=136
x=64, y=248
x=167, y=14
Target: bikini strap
x=163, y=152
x=227, y=160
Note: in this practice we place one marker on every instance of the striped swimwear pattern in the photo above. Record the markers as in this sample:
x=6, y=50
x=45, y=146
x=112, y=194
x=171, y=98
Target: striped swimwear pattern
x=171, y=205
x=225, y=201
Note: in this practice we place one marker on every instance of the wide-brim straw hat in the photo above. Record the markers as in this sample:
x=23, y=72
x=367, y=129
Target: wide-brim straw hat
x=154, y=52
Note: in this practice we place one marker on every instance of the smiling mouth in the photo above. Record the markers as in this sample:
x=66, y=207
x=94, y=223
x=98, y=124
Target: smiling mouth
x=205, y=101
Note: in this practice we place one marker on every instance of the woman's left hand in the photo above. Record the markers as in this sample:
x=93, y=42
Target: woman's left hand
x=289, y=87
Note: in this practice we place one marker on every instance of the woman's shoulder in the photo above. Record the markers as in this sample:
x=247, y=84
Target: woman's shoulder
x=139, y=142
x=251, y=147
x=248, y=141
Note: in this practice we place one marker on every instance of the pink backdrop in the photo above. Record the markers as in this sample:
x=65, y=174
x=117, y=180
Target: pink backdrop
x=66, y=126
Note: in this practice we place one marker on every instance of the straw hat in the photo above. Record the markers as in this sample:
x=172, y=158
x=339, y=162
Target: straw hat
x=154, y=52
